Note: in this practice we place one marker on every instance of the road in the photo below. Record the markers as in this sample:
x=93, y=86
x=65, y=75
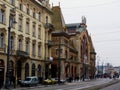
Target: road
x=112, y=87
x=69, y=86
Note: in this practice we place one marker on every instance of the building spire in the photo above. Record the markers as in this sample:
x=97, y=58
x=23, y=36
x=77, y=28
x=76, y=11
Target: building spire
x=59, y=4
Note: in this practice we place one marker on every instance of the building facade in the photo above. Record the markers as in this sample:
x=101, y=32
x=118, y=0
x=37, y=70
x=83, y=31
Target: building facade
x=29, y=38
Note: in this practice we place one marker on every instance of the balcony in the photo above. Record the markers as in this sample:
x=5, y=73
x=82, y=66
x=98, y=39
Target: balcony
x=22, y=53
x=49, y=26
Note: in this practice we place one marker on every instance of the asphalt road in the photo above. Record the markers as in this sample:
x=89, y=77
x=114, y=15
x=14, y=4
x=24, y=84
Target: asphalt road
x=112, y=87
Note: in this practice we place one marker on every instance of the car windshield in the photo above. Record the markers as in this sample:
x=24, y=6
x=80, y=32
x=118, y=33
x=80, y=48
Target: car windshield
x=27, y=79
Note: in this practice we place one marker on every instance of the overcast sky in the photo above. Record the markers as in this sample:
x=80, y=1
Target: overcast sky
x=103, y=24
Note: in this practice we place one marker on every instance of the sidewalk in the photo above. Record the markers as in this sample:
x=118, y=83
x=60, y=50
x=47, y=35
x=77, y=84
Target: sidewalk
x=94, y=84
x=82, y=84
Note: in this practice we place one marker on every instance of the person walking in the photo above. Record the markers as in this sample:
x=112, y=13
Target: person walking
x=14, y=81
x=1, y=82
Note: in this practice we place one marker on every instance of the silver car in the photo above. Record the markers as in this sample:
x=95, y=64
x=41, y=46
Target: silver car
x=30, y=81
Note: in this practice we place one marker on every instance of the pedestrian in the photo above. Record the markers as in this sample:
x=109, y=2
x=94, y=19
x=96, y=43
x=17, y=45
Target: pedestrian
x=1, y=82
x=14, y=81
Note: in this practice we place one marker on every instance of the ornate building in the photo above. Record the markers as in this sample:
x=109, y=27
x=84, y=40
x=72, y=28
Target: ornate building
x=72, y=48
x=29, y=38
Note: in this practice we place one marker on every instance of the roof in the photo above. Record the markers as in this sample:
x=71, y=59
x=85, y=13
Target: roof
x=58, y=19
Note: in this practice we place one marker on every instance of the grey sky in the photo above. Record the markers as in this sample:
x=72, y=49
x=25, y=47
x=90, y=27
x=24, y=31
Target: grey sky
x=103, y=21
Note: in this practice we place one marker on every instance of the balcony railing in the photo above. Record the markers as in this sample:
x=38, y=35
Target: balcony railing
x=21, y=53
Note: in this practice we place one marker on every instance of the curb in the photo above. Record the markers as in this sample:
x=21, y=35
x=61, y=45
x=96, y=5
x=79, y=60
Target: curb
x=97, y=87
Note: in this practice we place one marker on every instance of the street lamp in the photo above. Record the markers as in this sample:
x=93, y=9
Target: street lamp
x=11, y=22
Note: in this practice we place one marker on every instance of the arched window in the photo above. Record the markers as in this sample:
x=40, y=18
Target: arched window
x=39, y=16
x=1, y=40
x=39, y=50
x=33, y=49
x=19, y=44
x=33, y=69
x=26, y=69
x=27, y=46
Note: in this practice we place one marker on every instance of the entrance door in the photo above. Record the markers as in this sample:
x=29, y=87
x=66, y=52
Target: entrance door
x=53, y=71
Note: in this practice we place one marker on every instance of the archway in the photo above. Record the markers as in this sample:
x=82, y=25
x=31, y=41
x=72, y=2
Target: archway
x=54, y=71
x=19, y=67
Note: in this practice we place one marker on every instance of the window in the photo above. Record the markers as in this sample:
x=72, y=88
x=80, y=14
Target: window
x=2, y=16
x=20, y=25
x=33, y=49
x=1, y=40
x=27, y=46
x=33, y=30
x=19, y=44
x=34, y=15
x=39, y=50
x=11, y=43
x=20, y=6
x=39, y=16
x=46, y=19
x=27, y=9
x=12, y=2
x=39, y=32
x=27, y=27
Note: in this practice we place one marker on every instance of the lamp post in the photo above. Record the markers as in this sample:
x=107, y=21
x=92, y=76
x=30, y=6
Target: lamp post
x=11, y=22
x=59, y=62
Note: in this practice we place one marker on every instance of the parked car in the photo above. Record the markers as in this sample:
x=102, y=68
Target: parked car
x=50, y=81
x=30, y=81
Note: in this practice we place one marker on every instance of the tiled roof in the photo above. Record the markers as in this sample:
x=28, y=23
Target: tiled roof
x=57, y=19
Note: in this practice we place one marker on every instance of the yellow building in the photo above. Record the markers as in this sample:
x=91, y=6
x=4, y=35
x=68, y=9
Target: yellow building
x=30, y=37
